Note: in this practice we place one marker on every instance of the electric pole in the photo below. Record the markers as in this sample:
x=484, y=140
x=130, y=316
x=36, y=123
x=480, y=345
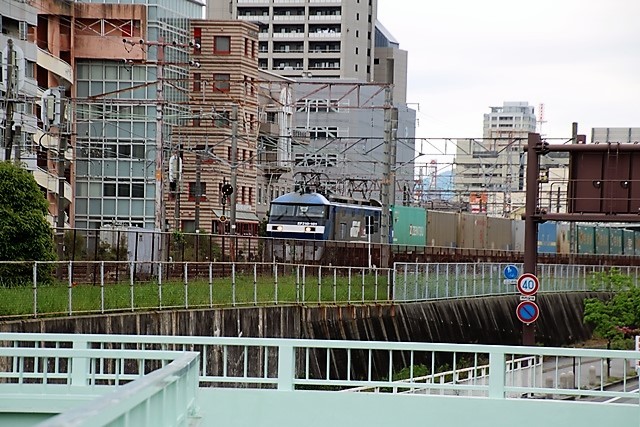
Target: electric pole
x=197, y=191
x=62, y=147
x=9, y=101
x=234, y=167
x=159, y=197
x=388, y=183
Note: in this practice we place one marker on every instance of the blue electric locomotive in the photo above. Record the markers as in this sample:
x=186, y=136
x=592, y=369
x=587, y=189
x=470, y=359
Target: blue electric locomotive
x=305, y=218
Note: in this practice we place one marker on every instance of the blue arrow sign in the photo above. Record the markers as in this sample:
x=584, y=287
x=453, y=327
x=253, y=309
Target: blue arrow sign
x=511, y=272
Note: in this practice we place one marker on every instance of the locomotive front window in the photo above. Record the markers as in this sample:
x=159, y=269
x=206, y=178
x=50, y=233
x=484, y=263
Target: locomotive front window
x=311, y=211
x=297, y=211
x=281, y=211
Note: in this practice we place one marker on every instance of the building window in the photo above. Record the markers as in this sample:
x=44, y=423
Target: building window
x=222, y=45
x=197, y=82
x=197, y=40
x=221, y=82
x=221, y=120
x=137, y=191
x=196, y=122
x=193, y=191
x=244, y=190
x=250, y=195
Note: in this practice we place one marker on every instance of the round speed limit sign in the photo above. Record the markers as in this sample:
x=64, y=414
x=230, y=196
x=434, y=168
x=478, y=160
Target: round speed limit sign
x=528, y=284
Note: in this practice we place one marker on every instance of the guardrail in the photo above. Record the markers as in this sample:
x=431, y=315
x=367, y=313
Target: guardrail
x=98, y=386
x=89, y=287
x=420, y=282
x=102, y=287
x=292, y=365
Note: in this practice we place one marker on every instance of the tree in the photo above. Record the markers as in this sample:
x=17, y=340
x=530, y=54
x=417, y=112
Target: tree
x=616, y=319
x=25, y=234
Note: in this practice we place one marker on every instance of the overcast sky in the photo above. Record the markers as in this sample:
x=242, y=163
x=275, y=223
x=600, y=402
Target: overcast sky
x=580, y=58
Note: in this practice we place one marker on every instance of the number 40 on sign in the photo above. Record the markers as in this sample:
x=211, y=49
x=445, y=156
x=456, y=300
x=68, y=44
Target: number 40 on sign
x=528, y=284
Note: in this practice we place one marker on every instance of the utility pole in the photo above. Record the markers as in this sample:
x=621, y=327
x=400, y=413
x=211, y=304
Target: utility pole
x=234, y=167
x=530, y=223
x=9, y=101
x=159, y=197
x=388, y=183
x=62, y=147
x=197, y=190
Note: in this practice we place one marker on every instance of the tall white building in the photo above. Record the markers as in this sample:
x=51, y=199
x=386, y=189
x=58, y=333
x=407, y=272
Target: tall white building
x=489, y=172
x=319, y=38
x=513, y=119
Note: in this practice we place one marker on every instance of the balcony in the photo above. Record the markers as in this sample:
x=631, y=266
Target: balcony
x=325, y=35
x=50, y=182
x=325, y=18
x=271, y=164
x=288, y=18
x=55, y=65
x=51, y=142
x=296, y=36
x=270, y=129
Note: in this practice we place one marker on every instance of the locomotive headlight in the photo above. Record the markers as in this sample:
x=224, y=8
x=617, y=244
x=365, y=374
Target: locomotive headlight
x=276, y=228
x=309, y=229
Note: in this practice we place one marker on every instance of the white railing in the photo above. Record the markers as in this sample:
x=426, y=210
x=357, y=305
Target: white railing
x=497, y=372
x=97, y=386
x=420, y=282
x=84, y=287
x=108, y=286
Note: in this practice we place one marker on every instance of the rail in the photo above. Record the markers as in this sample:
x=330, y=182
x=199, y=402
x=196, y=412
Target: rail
x=433, y=281
x=91, y=287
x=88, y=387
x=330, y=365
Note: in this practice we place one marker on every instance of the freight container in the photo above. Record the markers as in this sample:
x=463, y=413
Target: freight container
x=547, y=238
x=586, y=239
x=442, y=228
x=499, y=234
x=636, y=235
x=563, y=238
x=409, y=226
x=615, y=241
x=628, y=242
x=517, y=229
x=602, y=240
x=472, y=231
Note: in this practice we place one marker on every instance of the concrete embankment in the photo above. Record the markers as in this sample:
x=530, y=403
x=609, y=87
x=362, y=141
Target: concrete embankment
x=471, y=320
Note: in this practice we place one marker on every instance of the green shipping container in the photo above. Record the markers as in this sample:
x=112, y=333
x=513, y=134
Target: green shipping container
x=615, y=241
x=409, y=226
x=586, y=239
x=629, y=242
x=602, y=240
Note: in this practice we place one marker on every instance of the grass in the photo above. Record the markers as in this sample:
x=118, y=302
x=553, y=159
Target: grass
x=59, y=298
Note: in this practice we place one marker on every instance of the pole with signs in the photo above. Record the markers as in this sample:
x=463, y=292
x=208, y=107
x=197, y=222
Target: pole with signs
x=528, y=311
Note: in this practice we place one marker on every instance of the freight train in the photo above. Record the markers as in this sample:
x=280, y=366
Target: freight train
x=308, y=219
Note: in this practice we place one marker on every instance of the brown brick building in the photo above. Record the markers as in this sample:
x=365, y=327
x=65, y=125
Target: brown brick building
x=223, y=79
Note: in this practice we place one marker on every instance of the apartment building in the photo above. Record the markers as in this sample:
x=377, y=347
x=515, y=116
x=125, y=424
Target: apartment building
x=490, y=173
x=216, y=146
x=33, y=63
x=320, y=38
